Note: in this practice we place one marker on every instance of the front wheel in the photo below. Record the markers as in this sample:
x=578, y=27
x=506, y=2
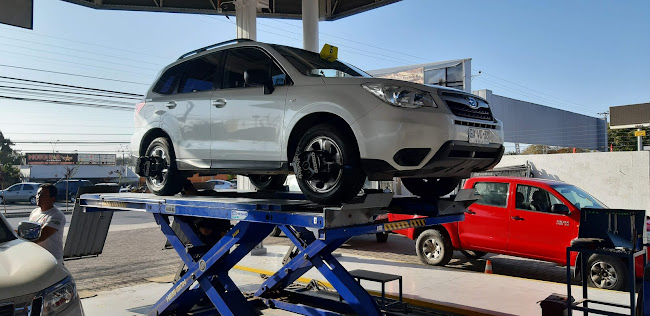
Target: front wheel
x=265, y=182
x=434, y=247
x=167, y=180
x=606, y=272
x=327, y=165
x=430, y=187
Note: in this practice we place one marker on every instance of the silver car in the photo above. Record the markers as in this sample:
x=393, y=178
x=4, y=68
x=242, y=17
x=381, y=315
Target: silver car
x=20, y=192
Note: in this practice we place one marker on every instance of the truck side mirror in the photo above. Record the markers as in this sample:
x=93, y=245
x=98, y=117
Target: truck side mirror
x=256, y=77
x=560, y=209
x=29, y=230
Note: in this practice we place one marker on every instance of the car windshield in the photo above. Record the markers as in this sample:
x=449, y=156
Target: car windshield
x=310, y=64
x=577, y=197
x=5, y=232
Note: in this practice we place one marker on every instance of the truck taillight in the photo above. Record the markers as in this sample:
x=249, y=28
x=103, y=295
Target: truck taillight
x=139, y=107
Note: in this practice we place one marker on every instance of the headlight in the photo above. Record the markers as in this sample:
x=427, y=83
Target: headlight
x=59, y=297
x=405, y=97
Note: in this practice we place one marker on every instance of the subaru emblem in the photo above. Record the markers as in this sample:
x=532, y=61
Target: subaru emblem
x=472, y=103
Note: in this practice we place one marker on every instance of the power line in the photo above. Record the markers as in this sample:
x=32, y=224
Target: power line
x=66, y=98
x=71, y=86
x=75, y=134
x=68, y=92
x=103, y=106
x=76, y=75
x=70, y=142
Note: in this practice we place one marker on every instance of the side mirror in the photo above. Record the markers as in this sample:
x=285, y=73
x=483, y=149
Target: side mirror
x=29, y=230
x=560, y=209
x=256, y=77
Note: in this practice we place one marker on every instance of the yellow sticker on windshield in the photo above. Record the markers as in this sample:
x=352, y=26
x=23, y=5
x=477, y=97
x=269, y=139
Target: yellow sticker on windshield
x=329, y=52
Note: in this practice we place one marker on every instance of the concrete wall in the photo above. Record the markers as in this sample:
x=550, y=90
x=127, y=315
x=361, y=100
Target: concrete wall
x=530, y=123
x=618, y=179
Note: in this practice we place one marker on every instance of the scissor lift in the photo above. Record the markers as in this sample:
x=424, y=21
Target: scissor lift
x=258, y=213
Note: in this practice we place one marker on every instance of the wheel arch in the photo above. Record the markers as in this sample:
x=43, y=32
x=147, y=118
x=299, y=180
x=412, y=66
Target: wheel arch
x=308, y=121
x=150, y=136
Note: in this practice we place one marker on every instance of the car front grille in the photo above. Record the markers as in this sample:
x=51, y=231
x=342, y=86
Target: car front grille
x=463, y=110
x=7, y=310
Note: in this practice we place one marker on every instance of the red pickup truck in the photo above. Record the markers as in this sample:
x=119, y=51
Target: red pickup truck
x=524, y=217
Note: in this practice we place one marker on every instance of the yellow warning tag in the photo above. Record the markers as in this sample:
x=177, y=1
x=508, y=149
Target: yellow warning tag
x=329, y=52
x=636, y=133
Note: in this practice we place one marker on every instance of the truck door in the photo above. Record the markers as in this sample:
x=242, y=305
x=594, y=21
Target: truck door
x=486, y=221
x=535, y=231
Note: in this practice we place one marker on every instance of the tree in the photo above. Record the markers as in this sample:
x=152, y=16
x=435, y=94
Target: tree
x=545, y=149
x=624, y=139
x=7, y=154
x=8, y=175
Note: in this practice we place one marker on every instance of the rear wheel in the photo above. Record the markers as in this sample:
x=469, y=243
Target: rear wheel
x=32, y=200
x=434, y=247
x=606, y=272
x=327, y=165
x=266, y=182
x=2, y=200
x=430, y=187
x=167, y=181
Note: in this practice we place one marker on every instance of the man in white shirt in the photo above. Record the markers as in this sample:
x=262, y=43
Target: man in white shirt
x=51, y=219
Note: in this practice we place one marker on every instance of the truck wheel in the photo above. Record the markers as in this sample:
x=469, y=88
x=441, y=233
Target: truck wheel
x=606, y=272
x=434, y=247
x=168, y=182
x=430, y=187
x=267, y=182
x=327, y=165
x=381, y=237
x=471, y=254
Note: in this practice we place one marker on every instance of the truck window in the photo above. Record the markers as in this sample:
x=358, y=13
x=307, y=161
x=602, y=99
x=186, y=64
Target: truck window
x=534, y=199
x=492, y=193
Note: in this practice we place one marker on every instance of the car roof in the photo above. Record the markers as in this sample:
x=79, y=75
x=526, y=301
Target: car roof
x=517, y=179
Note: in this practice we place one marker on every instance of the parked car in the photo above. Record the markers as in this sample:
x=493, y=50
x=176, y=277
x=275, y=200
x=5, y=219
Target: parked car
x=32, y=282
x=523, y=217
x=20, y=192
x=222, y=184
x=67, y=189
x=265, y=111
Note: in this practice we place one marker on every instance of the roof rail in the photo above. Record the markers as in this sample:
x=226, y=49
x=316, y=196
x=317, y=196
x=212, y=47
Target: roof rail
x=238, y=40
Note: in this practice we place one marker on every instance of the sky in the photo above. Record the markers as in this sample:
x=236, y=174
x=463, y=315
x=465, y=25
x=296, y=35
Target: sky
x=581, y=56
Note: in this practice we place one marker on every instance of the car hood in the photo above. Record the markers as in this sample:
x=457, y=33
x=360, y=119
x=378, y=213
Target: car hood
x=27, y=268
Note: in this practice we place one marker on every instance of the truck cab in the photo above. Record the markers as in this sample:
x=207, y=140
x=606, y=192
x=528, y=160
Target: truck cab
x=523, y=217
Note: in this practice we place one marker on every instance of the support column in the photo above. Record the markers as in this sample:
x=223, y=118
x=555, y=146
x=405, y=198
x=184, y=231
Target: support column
x=310, y=17
x=639, y=141
x=246, y=18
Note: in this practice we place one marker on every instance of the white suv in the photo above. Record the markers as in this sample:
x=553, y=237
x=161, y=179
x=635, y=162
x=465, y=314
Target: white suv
x=265, y=111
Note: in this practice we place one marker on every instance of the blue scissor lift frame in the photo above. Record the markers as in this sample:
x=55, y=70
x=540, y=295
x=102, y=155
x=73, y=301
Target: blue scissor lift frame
x=258, y=214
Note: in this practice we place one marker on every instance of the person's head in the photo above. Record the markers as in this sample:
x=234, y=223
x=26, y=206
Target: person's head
x=46, y=196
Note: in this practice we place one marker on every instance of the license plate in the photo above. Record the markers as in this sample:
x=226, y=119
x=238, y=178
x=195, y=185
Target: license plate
x=479, y=136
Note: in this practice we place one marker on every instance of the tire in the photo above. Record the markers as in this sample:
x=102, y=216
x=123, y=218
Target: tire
x=2, y=200
x=265, y=182
x=381, y=237
x=430, y=187
x=169, y=182
x=32, y=200
x=607, y=272
x=275, y=232
x=434, y=247
x=471, y=254
x=73, y=198
x=345, y=180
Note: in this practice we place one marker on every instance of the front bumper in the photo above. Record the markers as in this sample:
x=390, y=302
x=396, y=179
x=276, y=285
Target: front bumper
x=453, y=159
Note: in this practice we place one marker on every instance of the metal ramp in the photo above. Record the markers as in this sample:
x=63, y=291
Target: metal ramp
x=258, y=214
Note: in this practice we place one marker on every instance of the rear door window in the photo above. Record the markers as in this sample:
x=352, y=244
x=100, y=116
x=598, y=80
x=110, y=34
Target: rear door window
x=492, y=193
x=169, y=80
x=200, y=74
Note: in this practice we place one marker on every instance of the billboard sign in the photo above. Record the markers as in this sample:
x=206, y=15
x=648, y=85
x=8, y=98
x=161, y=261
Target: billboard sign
x=629, y=116
x=96, y=159
x=51, y=159
x=17, y=13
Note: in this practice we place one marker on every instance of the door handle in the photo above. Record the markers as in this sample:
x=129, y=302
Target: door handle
x=171, y=104
x=470, y=212
x=219, y=103
x=517, y=218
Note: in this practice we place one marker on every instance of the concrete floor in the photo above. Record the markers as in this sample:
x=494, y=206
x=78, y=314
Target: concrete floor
x=459, y=291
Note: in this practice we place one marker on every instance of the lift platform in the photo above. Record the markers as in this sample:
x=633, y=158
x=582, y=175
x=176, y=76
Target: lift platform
x=315, y=230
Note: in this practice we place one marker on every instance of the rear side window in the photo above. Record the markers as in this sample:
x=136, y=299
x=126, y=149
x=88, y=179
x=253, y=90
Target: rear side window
x=492, y=193
x=243, y=59
x=200, y=74
x=169, y=79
